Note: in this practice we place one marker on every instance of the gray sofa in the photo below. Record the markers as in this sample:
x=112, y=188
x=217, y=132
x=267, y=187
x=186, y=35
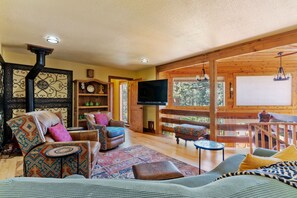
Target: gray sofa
x=196, y=186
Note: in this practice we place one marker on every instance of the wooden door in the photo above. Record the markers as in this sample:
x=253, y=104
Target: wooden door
x=135, y=111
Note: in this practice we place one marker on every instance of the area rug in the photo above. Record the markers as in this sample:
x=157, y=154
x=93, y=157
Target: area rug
x=118, y=163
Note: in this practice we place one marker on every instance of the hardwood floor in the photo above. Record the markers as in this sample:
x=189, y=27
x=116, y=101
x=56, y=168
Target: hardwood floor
x=166, y=144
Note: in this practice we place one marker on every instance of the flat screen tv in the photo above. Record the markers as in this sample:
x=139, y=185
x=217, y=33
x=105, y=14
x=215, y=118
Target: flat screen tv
x=152, y=92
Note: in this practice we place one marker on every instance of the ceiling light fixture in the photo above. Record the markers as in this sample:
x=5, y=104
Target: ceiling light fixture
x=203, y=76
x=281, y=75
x=52, y=39
x=144, y=60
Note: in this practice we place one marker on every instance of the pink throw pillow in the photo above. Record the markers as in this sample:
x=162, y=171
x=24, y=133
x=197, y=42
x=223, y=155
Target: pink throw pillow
x=101, y=119
x=60, y=133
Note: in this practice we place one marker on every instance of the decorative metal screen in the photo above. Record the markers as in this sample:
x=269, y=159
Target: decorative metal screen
x=47, y=85
x=1, y=103
x=52, y=90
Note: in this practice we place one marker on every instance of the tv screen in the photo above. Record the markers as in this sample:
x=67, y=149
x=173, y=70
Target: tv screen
x=152, y=92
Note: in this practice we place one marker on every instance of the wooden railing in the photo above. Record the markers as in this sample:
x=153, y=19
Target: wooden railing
x=272, y=135
x=175, y=116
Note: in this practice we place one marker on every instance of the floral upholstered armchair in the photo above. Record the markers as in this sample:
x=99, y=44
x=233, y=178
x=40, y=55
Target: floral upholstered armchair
x=111, y=132
x=33, y=136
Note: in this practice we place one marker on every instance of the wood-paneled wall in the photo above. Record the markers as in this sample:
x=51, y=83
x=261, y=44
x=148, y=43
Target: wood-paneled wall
x=229, y=62
x=229, y=70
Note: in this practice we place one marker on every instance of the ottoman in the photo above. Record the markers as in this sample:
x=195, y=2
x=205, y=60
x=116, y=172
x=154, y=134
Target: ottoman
x=156, y=171
x=190, y=132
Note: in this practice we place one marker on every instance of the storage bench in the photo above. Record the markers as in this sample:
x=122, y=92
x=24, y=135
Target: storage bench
x=190, y=132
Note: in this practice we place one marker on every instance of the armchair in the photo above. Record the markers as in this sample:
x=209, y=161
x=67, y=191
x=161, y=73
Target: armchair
x=34, y=141
x=110, y=135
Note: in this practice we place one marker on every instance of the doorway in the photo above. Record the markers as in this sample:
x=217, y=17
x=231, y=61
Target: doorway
x=124, y=113
x=119, y=100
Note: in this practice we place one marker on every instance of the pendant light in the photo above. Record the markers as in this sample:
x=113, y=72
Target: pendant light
x=281, y=75
x=203, y=76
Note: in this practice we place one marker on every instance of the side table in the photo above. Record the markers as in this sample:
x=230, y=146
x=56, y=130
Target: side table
x=63, y=152
x=208, y=145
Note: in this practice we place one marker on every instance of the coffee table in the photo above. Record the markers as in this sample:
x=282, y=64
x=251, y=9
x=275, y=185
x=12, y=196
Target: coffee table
x=208, y=145
x=63, y=152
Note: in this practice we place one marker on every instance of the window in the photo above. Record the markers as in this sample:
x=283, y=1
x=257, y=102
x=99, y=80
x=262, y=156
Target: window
x=189, y=92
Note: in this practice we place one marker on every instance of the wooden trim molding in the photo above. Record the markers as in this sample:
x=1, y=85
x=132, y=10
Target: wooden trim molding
x=118, y=77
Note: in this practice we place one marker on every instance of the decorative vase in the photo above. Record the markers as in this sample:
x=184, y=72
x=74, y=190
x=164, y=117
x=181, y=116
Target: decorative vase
x=97, y=104
x=87, y=104
x=91, y=103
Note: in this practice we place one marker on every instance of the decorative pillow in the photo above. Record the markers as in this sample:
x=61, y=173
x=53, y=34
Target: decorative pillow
x=254, y=162
x=101, y=119
x=107, y=113
x=288, y=154
x=60, y=133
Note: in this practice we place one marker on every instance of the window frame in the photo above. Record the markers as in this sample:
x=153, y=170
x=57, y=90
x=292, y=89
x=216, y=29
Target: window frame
x=220, y=78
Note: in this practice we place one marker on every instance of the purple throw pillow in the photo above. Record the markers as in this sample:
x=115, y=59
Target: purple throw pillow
x=101, y=119
x=60, y=133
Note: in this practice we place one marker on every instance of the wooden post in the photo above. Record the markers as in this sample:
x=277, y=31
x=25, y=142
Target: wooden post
x=213, y=99
x=158, y=123
x=277, y=138
x=250, y=139
x=270, y=141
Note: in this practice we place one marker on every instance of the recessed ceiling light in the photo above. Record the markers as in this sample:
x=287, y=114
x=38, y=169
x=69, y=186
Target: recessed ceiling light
x=144, y=60
x=52, y=39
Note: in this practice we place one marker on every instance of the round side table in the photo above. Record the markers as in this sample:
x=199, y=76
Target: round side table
x=208, y=145
x=63, y=152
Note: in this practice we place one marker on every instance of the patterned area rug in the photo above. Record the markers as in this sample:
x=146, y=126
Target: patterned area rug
x=118, y=163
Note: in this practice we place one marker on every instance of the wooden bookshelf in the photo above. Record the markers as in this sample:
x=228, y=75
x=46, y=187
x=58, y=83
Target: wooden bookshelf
x=89, y=96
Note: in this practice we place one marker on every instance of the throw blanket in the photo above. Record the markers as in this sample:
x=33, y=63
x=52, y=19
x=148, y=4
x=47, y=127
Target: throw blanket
x=285, y=172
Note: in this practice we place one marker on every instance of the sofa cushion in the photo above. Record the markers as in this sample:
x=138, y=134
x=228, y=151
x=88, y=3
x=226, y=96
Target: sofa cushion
x=288, y=154
x=95, y=147
x=254, y=162
x=60, y=133
x=114, y=131
x=101, y=119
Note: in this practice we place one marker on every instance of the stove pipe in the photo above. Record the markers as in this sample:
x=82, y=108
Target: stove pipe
x=40, y=52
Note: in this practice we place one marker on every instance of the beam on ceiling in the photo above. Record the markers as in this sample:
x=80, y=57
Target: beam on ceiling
x=244, y=48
